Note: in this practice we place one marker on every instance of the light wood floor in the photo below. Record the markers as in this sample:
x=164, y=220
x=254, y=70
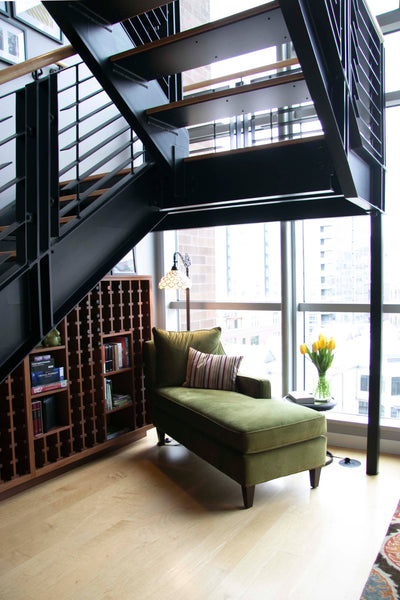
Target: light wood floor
x=159, y=523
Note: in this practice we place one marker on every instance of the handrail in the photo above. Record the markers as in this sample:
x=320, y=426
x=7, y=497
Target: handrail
x=276, y=65
x=33, y=64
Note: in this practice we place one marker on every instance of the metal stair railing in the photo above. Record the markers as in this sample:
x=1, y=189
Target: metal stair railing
x=96, y=144
x=359, y=51
x=154, y=25
x=243, y=131
x=96, y=147
x=13, y=222
x=367, y=81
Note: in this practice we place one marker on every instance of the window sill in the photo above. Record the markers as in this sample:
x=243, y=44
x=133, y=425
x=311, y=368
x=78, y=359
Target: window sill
x=350, y=431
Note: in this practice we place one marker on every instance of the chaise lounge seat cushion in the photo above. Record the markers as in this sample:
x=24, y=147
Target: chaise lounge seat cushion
x=238, y=421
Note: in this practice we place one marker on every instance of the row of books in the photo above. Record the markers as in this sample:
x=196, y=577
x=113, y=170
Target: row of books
x=44, y=415
x=45, y=376
x=113, y=399
x=116, y=354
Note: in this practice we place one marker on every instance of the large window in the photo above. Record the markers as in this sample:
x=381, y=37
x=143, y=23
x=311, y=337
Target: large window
x=237, y=271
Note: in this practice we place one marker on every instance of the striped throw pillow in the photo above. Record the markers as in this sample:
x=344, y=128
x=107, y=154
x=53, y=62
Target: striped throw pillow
x=211, y=371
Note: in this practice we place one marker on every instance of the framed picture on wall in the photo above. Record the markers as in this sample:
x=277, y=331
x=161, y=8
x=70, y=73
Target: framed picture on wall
x=4, y=8
x=126, y=266
x=34, y=14
x=12, y=43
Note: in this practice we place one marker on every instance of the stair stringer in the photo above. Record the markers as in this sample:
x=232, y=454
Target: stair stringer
x=278, y=182
x=80, y=259
x=361, y=181
x=43, y=292
x=132, y=96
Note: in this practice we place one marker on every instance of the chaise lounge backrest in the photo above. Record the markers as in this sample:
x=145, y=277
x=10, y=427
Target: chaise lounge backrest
x=165, y=360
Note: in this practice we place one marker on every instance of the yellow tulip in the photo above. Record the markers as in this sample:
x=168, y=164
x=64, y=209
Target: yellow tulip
x=303, y=348
x=315, y=347
x=331, y=344
x=322, y=342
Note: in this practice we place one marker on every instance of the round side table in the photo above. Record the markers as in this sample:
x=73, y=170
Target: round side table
x=320, y=406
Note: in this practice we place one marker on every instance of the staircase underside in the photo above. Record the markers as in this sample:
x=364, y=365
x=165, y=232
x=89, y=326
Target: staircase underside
x=251, y=30
x=339, y=173
x=276, y=182
x=55, y=283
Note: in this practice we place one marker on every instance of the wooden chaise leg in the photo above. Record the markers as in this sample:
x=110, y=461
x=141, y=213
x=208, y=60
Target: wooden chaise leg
x=161, y=437
x=248, y=495
x=315, y=474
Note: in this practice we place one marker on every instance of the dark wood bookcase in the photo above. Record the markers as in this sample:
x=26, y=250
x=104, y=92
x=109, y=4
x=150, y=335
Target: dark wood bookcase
x=118, y=311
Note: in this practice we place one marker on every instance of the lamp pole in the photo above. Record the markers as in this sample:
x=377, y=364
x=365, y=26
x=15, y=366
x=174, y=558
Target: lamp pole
x=186, y=263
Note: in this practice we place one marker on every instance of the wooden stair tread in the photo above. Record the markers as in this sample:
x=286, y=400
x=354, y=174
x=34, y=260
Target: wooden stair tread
x=281, y=64
x=254, y=29
x=95, y=177
x=69, y=197
x=271, y=93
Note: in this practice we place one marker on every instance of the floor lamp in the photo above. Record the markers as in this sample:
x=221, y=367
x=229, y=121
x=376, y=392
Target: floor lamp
x=176, y=280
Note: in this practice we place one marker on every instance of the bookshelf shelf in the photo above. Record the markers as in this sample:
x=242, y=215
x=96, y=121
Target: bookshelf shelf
x=117, y=312
x=53, y=430
x=46, y=350
x=117, y=372
x=119, y=408
x=49, y=393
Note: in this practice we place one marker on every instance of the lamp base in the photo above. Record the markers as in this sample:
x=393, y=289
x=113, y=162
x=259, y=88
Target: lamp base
x=349, y=462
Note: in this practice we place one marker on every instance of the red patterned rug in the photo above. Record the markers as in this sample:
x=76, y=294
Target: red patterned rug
x=384, y=580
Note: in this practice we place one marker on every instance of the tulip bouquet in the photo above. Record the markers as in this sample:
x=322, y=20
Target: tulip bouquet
x=321, y=356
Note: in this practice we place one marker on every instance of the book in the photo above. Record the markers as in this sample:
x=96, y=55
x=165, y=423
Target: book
x=49, y=413
x=44, y=378
x=38, y=389
x=119, y=400
x=37, y=417
x=42, y=366
x=108, y=393
x=123, y=347
x=113, y=432
x=301, y=397
x=116, y=354
x=42, y=357
x=108, y=358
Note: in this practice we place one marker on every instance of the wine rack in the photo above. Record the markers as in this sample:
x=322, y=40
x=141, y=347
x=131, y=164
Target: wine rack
x=116, y=313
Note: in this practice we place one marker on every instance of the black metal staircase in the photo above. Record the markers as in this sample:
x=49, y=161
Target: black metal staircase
x=65, y=241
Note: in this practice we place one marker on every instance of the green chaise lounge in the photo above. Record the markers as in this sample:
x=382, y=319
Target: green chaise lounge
x=243, y=433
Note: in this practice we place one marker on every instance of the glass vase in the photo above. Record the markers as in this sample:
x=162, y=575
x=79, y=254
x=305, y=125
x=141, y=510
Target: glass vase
x=322, y=392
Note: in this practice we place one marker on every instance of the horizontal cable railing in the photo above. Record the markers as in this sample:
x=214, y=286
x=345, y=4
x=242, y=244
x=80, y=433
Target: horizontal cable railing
x=263, y=127
x=12, y=181
x=367, y=80
x=358, y=43
x=96, y=144
x=253, y=130
x=96, y=147
x=151, y=26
